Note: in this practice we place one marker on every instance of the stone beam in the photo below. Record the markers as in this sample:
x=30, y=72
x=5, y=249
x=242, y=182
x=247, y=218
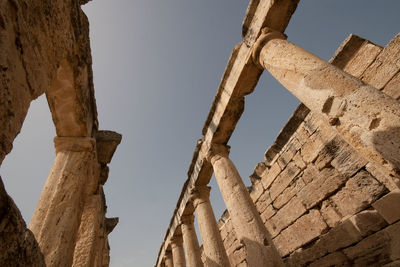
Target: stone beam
x=71, y=102
x=274, y=14
x=239, y=79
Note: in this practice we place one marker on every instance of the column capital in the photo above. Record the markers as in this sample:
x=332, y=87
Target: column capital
x=200, y=194
x=266, y=35
x=167, y=254
x=187, y=219
x=176, y=241
x=216, y=151
x=75, y=144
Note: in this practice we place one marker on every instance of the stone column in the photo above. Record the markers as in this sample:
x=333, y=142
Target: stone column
x=168, y=259
x=249, y=228
x=367, y=118
x=192, y=248
x=178, y=253
x=58, y=214
x=212, y=243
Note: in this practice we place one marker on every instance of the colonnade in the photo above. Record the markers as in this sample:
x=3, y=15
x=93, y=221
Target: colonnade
x=354, y=109
x=246, y=221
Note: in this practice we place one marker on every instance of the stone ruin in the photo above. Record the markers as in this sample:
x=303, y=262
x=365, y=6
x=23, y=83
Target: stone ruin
x=327, y=192
x=44, y=48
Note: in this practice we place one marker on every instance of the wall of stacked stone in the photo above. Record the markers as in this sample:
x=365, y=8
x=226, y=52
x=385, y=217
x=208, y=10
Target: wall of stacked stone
x=320, y=199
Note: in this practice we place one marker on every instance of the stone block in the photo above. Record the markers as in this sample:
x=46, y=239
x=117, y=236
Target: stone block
x=302, y=134
x=393, y=87
x=347, y=50
x=298, y=160
x=268, y=213
x=285, y=216
x=283, y=180
x=311, y=149
x=263, y=202
x=259, y=169
x=304, y=256
x=289, y=193
x=343, y=235
x=310, y=173
x=239, y=255
x=372, y=251
x=328, y=153
x=391, y=183
x=346, y=233
x=386, y=65
x=223, y=232
x=256, y=190
x=389, y=206
x=270, y=174
x=327, y=181
x=229, y=240
x=107, y=142
x=232, y=248
x=347, y=160
x=311, y=124
x=334, y=259
x=393, y=264
x=229, y=227
x=362, y=59
x=307, y=228
x=330, y=214
x=288, y=153
x=358, y=193
x=368, y=222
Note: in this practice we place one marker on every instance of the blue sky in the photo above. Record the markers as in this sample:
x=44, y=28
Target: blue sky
x=157, y=66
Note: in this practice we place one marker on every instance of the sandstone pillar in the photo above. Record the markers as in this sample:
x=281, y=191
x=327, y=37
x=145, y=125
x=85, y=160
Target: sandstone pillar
x=212, y=242
x=192, y=248
x=178, y=254
x=56, y=220
x=246, y=220
x=168, y=259
x=366, y=117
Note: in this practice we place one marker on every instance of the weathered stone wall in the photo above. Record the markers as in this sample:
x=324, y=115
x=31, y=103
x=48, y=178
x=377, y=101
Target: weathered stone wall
x=320, y=199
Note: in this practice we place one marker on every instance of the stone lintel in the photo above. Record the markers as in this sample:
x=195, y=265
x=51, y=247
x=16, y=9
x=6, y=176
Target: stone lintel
x=107, y=142
x=71, y=100
x=266, y=13
x=74, y=144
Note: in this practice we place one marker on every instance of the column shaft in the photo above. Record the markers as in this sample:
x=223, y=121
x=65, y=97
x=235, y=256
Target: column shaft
x=90, y=236
x=212, y=243
x=57, y=217
x=366, y=117
x=246, y=220
x=190, y=241
x=178, y=253
x=168, y=259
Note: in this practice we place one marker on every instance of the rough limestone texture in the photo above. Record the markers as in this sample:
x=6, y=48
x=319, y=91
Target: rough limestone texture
x=18, y=246
x=321, y=200
x=45, y=48
x=69, y=222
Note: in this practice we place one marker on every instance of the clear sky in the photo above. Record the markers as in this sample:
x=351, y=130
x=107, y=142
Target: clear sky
x=157, y=66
